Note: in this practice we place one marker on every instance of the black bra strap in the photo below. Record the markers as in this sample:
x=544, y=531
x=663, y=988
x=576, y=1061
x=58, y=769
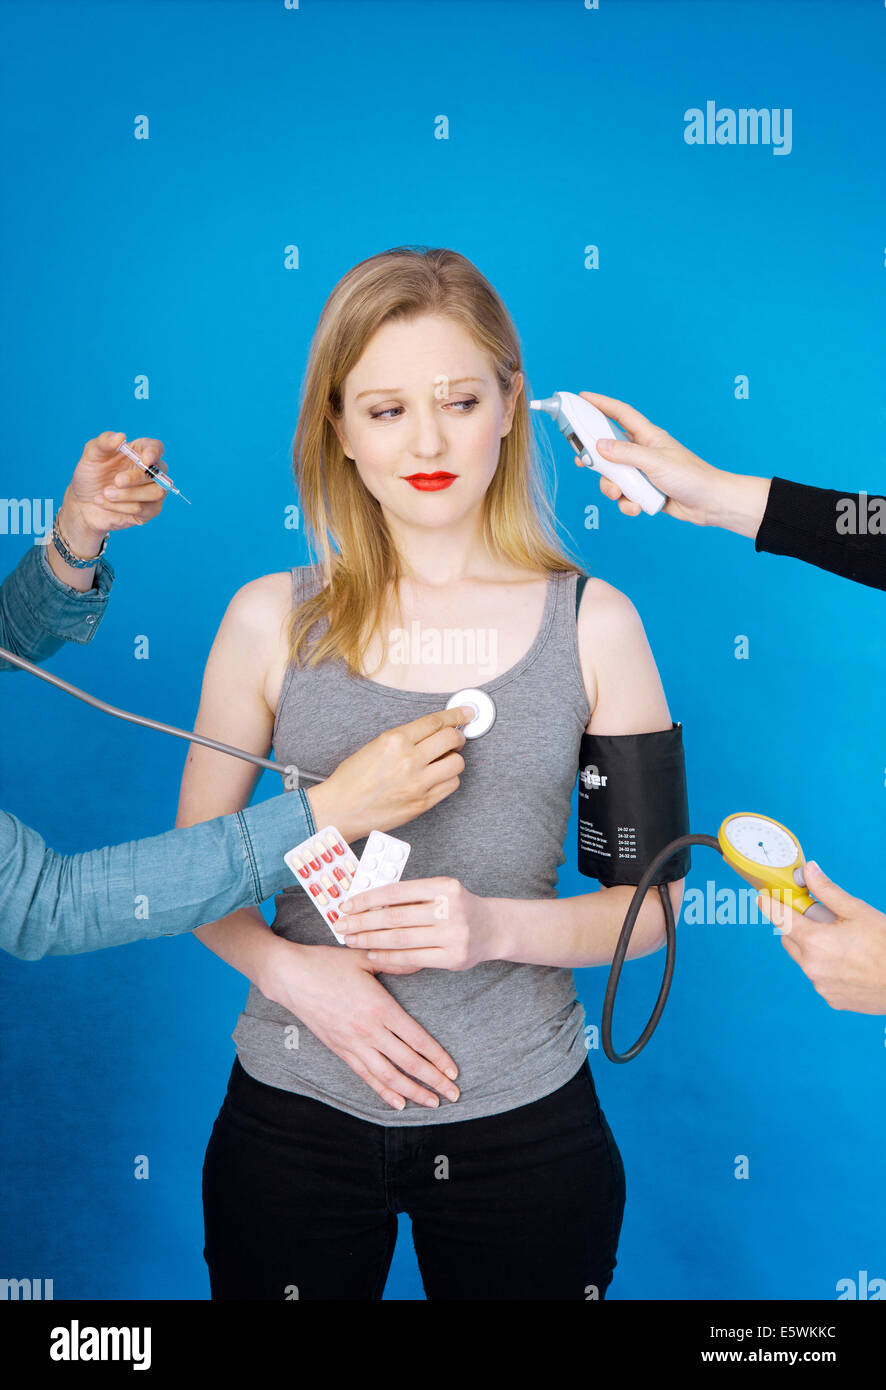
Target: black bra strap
x=581, y=582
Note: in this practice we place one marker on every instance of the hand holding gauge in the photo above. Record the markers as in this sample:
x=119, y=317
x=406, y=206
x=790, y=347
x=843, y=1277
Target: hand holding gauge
x=769, y=856
x=760, y=850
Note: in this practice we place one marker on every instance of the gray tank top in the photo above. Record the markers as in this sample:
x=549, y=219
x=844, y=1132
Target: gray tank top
x=515, y=1031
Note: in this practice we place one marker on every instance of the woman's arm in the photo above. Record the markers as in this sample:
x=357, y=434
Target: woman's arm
x=626, y=697
x=234, y=709
x=834, y=530
x=45, y=602
x=59, y=905
x=39, y=613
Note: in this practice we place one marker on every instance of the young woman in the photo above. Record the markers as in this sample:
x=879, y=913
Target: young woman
x=474, y=1111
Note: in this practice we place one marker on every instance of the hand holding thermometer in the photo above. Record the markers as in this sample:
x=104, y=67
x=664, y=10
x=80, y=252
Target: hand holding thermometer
x=151, y=468
x=583, y=424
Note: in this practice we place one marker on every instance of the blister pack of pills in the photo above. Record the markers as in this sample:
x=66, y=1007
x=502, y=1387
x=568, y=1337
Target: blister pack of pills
x=327, y=869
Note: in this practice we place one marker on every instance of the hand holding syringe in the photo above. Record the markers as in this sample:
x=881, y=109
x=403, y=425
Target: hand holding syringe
x=109, y=492
x=153, y=471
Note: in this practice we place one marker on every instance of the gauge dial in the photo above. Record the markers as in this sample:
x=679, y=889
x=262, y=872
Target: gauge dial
x=762, y=841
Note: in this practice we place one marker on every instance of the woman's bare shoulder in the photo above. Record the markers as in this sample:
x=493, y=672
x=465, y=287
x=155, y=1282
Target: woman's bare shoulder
x=621, y=678
x=604, y=611
x=260, y=606
x=268, y=590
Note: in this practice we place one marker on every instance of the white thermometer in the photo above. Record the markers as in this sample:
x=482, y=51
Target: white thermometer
x=583, y=424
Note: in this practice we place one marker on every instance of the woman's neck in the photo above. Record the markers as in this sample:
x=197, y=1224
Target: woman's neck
x=436, y=559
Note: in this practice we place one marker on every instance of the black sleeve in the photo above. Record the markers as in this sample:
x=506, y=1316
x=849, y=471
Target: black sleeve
x=842, y=532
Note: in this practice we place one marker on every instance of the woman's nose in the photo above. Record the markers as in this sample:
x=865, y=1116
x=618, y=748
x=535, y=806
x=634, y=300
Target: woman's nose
x=427, y=437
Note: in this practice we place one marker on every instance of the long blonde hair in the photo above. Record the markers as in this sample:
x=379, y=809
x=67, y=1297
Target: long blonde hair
x=519, y=523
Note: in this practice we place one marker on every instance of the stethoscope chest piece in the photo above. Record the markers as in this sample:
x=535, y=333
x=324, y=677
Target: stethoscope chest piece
x=482, y=703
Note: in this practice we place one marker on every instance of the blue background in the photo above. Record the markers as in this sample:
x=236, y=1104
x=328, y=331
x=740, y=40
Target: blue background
x=315, y=127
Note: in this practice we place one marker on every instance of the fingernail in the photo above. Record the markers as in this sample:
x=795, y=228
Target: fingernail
x=453, y=1094
x=450, y=1072
x=604, y=445
x=345, y=907
x=110, y=492
x=811, y=864
x=432, y=1104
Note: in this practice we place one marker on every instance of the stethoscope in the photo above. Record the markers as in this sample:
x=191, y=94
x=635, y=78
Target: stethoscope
x=481, y=723
x=485, y=711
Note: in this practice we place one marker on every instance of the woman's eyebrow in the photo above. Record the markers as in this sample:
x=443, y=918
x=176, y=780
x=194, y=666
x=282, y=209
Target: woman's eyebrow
x=396, y=390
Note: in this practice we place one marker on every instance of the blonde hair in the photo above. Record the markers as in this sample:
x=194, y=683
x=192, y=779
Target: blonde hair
x=519, y=523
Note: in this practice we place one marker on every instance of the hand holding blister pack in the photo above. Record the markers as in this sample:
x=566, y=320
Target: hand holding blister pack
x=328, y=870
x=583, y=424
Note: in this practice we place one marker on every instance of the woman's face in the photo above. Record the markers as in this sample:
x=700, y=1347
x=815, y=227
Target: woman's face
x=423, y=399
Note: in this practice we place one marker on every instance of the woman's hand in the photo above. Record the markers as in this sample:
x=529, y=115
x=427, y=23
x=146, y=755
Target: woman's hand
x=846, y=959
x=109, y=493
x=428, y=923
x=696, y=491
x=336, y=996
x=394, y=778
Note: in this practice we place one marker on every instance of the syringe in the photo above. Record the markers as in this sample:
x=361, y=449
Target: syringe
x=153, y=470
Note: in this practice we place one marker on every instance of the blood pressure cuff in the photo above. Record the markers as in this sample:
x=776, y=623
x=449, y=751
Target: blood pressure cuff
x=631, y=803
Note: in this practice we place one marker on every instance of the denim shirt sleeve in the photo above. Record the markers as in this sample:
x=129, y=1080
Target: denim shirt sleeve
x=39, y=613
x=167, y=884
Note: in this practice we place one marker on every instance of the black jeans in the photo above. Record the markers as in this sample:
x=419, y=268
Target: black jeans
x=300, y=1200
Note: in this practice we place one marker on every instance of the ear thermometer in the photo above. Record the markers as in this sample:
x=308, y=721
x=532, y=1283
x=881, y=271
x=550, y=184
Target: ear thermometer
x=157, y=474
x=583, y=424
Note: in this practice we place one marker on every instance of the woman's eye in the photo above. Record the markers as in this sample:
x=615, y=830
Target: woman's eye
x=389, y=412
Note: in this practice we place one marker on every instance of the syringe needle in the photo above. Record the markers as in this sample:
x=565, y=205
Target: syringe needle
x=153, y=471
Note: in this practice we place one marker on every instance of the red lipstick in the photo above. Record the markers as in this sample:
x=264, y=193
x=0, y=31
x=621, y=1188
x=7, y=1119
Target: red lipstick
x=430, y=482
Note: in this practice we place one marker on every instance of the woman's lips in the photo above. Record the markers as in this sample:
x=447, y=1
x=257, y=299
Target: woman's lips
x=430, y=482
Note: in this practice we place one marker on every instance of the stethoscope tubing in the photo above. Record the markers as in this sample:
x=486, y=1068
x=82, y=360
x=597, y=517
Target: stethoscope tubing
x=483, y=722
x=189, y=737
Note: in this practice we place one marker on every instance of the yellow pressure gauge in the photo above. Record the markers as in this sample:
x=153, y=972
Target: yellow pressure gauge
x=768, y=855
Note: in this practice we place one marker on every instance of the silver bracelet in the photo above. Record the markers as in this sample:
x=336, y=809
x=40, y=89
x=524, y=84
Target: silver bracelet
x=68, y=555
